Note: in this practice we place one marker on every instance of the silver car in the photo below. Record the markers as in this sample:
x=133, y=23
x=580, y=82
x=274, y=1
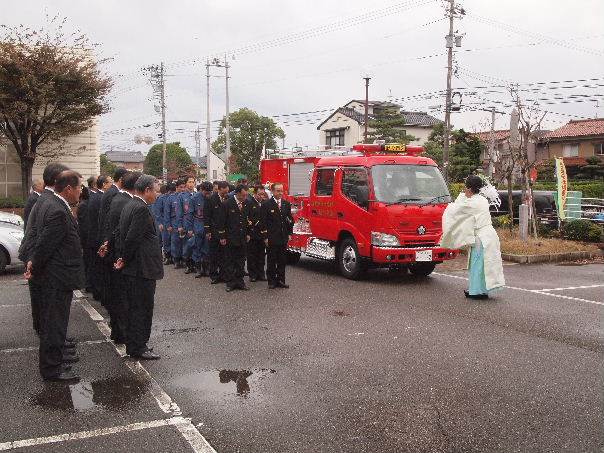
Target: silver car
x=11, y=235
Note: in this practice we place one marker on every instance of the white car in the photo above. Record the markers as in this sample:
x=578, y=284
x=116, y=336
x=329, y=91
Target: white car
x=11, y=218
x=11, y=235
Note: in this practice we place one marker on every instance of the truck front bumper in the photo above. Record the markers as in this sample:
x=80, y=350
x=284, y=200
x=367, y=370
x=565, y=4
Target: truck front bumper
x=392, y=255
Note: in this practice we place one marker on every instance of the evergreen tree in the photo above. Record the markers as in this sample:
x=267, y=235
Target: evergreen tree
x=388, y=124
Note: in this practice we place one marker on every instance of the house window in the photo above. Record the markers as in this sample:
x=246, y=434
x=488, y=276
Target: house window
x=214, y=174
x=571, y=150
x=335, y=137
x=599, y=149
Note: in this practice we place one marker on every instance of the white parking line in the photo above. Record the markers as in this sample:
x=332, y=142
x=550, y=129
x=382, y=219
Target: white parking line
x=14, y=305
x=180, y=423
x=533, y=291
x=35, y=348
x=198, y=443
x=572, y=287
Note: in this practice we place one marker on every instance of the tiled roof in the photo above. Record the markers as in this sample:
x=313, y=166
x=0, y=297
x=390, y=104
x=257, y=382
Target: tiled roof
x=421, y=119
x=125, y=156
x=578, y=128
x=499, y=135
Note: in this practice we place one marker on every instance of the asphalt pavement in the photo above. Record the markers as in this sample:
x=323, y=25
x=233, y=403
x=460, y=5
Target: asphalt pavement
x=392, y=363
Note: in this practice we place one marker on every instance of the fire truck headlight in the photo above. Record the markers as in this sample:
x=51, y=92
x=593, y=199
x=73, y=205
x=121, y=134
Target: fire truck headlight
x=384, y=240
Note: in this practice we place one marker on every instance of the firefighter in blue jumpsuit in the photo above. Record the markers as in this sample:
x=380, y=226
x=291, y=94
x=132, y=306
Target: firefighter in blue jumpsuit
x=195, y=225
x=164, y=223
x=182, y=207
x=176, y=237
x=156, y=209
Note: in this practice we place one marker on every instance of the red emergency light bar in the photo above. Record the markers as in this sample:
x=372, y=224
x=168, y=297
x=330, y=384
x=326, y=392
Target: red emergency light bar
x=394, y=148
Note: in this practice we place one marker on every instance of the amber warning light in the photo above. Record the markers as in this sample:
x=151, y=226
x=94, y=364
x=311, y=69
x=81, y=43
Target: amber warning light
x=398, y=148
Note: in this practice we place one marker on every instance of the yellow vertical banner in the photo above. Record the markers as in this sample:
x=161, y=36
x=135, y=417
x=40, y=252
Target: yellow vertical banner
x=562, y=180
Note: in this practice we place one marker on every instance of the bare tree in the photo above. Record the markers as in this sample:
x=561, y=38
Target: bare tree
x=51, y=88
x=530, y=118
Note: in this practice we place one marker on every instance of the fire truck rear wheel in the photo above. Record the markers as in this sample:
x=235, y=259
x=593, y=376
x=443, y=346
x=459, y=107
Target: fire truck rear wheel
x=350, y=263
x=422, y=269
x=293, y=258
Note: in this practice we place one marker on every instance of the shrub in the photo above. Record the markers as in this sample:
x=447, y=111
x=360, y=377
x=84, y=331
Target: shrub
x=582, y=230
x=502, y=221
x=456, y=188
x=12, y=202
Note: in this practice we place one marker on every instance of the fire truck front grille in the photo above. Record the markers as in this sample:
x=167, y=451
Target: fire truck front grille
x=414, y=245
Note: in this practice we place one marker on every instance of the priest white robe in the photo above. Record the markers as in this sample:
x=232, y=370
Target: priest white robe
x=466, y=220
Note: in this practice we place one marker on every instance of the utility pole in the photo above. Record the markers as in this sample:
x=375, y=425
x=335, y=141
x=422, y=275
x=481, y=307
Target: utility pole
x=208, y=136
x=164, y=170
x=198, y=146
x=227, y=122
x=452, y=39
x=492, y=157
x=367, y=79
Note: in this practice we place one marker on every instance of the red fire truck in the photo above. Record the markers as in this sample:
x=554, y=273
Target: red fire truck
x=375, y=205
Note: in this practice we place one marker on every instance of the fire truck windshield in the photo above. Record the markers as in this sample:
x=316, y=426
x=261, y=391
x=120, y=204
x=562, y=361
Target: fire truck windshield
x=412, y=184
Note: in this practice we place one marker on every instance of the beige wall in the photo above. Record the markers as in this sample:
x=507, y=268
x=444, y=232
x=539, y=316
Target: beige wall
x=80, y=153
x=352, y=135
x=215, y=168
x=586, y=147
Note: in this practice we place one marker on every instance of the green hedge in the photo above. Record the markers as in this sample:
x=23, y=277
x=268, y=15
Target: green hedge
x=12, y=202
x=582, y=230
x=455, y=188
x=590, y=189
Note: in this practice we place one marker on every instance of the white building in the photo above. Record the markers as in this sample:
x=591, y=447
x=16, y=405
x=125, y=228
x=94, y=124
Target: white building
x=346, y=126
x=216, y=168
x=79, y=152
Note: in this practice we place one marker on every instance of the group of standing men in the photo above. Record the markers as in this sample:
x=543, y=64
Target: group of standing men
x=111, y=249
x=216, y=229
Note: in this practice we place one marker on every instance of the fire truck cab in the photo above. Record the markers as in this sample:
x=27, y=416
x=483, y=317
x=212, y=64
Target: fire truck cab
x=372, y=206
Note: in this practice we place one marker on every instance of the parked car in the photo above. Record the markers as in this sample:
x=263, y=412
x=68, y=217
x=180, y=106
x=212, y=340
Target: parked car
x=9, y=217
x=11, y=235
x=545, y=205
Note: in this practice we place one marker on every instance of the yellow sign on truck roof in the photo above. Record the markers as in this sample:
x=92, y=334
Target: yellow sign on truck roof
x=396, y=147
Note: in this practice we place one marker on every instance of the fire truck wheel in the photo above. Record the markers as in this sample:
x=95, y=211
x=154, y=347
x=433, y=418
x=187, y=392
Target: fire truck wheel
x=350, y=263
x=422, y=269
x=293, y=258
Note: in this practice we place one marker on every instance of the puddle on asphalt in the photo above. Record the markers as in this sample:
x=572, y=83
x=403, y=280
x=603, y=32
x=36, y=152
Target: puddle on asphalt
x=115, y=393
x=237, y=383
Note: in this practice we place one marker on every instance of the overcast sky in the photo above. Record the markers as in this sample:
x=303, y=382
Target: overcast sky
x=300, y=56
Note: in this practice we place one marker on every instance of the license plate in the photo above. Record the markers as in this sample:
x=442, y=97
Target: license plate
x=423, y=255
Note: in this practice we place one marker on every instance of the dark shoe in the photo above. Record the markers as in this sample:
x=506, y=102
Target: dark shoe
x=253, y=279
x=70, y=358
x=71, y=339
x=69, y=346
x=475, y=296
x=244, y=288
x=216, y=281
x=229, y=289
x=66, y=375
x=271, y=286
x=282, y=285
x=168, y=261
x=120, y=341
x=178, y=264
x=262, y=279
x=147, y=355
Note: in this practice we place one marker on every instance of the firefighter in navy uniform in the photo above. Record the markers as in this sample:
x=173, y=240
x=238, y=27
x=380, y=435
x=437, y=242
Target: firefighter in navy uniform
x=176, y=236
x=234, y=234
x=277, y=226
x=256, y=250
x=182, y=210
x=216, y=266
x=196, y=231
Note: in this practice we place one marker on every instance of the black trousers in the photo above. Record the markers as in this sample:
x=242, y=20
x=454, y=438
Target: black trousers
x=94, y=272
x=276, y=258
x=88, y=261
x=118, y=307
x=105, y=270
x=235, y=263
x=36, y=296
x=141, y=299
x=216, y=262
x=256, y=256
x=54, y=318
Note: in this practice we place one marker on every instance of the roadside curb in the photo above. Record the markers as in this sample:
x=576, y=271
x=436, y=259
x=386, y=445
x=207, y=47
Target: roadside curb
x=550, y=257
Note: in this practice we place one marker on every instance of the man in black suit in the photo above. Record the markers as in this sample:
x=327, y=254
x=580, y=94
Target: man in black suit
x=233, y=233
x=277, y=224
x=49, y=176
x=92, y=221
x=256, y=250
x=85, y=228
x=216, y=263
x=140, y=261
x=117, y=302
x=57, y=264
x=36, y=190
x=105, y=266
